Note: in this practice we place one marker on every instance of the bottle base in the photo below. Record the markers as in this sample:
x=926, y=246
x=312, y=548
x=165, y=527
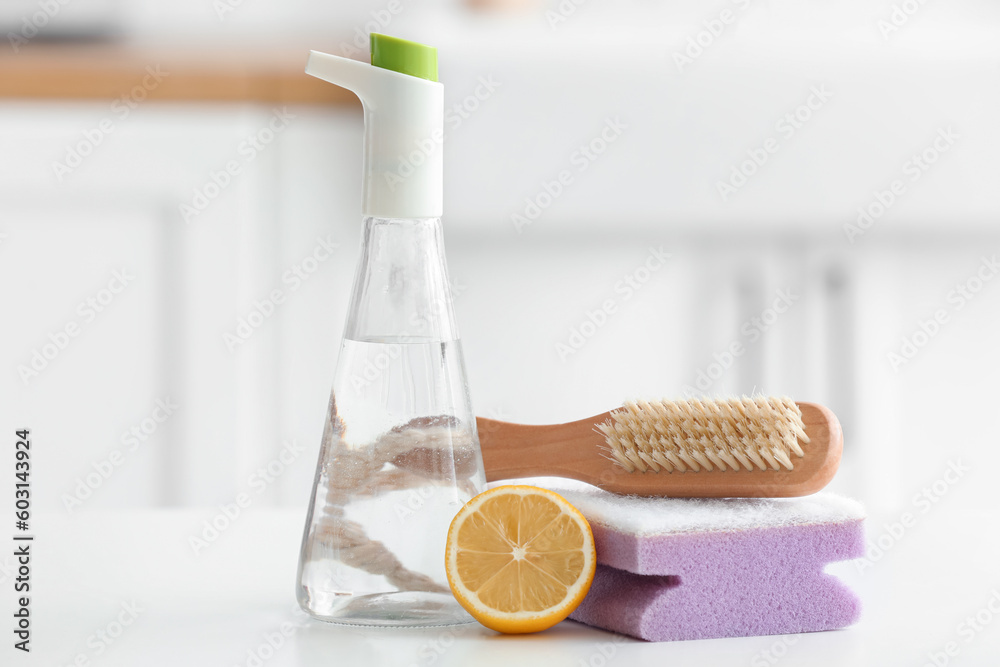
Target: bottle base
x=403, y=609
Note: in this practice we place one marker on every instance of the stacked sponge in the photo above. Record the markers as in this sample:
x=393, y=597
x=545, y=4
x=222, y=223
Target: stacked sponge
x=697, y=568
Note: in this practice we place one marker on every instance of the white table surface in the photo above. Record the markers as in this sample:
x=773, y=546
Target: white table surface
x=215, y=608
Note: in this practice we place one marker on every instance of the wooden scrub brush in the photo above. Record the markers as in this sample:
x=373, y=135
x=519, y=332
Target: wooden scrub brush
x=749, y=448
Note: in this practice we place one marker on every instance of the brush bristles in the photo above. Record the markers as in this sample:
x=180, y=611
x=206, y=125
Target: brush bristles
x=694, y=435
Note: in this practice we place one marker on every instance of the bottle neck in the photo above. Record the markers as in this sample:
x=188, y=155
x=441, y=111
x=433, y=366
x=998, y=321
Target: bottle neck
x=401, y=290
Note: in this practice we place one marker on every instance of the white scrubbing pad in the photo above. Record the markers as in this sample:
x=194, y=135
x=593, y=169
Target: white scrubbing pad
x=642, y=516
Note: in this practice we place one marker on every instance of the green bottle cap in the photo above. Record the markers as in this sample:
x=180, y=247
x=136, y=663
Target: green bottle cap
x=404, y=57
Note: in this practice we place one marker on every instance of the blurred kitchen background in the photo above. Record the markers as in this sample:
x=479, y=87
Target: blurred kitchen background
x=824, y=178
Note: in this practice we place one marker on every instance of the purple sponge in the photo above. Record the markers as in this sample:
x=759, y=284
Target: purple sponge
x=671, y=568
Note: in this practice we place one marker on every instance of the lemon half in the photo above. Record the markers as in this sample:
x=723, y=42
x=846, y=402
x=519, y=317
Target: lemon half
x=520, y=558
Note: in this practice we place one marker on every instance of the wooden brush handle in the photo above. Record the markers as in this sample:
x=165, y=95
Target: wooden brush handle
x=577, y=451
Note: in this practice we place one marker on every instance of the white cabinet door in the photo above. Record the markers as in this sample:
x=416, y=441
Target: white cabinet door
x=193, y=275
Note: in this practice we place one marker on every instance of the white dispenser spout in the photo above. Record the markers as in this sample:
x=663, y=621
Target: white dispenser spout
x=404, y=133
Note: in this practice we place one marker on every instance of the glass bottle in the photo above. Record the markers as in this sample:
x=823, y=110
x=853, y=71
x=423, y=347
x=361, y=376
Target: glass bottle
x=400, y=454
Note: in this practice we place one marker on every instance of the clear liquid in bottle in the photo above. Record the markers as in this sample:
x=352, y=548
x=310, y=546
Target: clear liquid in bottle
x=400, y=454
